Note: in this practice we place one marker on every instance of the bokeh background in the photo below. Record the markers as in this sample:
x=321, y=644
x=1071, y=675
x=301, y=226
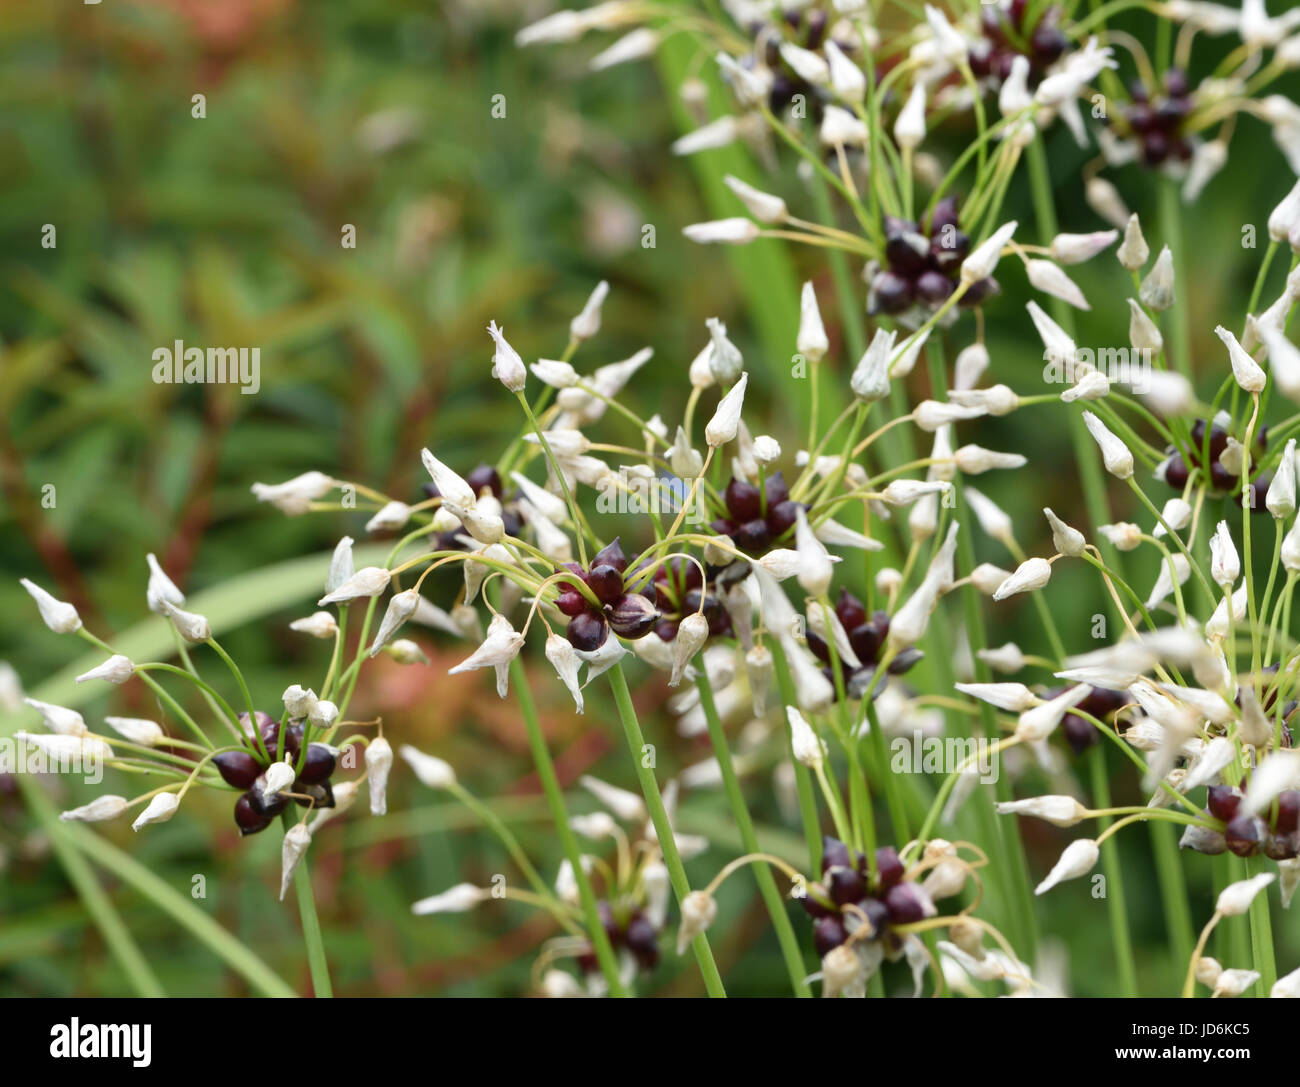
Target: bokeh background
x=225, y=230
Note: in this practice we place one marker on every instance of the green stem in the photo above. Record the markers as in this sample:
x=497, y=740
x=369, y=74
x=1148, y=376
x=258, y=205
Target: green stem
x=1122, y=937
x=659, y=816
x=749, y=839
x=560, y=816
x=311, y=930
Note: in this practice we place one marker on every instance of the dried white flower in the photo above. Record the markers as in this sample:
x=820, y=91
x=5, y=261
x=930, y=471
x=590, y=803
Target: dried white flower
x=161, y=808
x=1114, y=453
x=457, y=899
x=379, y=761
x=60, y=617
x=101, y=808
x=735, y=231
x=192, y=627
x=432, y=771
x=116, y=670
x=138, y=730
x=296, y=495
x=1077, y=860
x=161, y=587
x=1061, y=811
x=320, y=624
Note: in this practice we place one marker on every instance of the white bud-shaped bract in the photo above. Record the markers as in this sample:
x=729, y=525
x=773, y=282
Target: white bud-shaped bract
x=805, y=743
x=116, y=670
x=994, y=521
x=367, y=582
x=296, y=495
x=1078, y=859
x=400, y=608
x=625, y=804
x=341, y=567
x=298, y=701
x=1234, y=982
x=1114, y=453
x=988, y=578
x=847, y=79
x=453, y=489
x=432, y=771
x=1286, y=216
x=192, y=627
x=296, y=840
x=161, y=587
x=1067, y=541
x=725, y=360
x=699, y=911
x=1048, y=278
x=725, y=423
x=1143, y=332
x=1225, y=564
x=692, y=633
x=1281, y=499
x=1038, y=723
x=501, y=645
x=870, y=380
x=1077, y=248
x=1094, y=385
x=1245, y=370
x=457, y=899
x=101, y=808
x=1061, y=811
x=734, y=231
x=984, y=259
x=320, y=624
x=586, y=324
x=973, y=460
x=1012, y=697
x=138, y=730
x=1006, y=658
x=763, y=206
x=161, y=808
x=815, y=566
x=1157, y=290
x=59, y=719
x=1029, y=575
x=564, y=659
x=555, y=373
x=1105, y=200
x=909, y=128
x=389, y=518
x=60, y=617
x=971, y=363
x=1133, y=251
x=807, y=65
x=379, y=762
x=811, y=341
x=1235, y=899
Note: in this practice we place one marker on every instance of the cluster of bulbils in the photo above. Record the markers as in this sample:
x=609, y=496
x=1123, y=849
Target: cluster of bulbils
x=1100, y=702
x=1155, y=119
x=923, y=264
x=257, y=806
x=806, y=29
x=628, y=927
x=628, y=614
x=1005, y=36
x=1176, y=469
x=847, y=898
x=867, y=634
x=757, y=518
x=1275, y=832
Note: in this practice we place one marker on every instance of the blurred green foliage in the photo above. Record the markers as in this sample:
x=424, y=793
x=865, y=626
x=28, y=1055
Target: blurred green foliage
x=226, y=230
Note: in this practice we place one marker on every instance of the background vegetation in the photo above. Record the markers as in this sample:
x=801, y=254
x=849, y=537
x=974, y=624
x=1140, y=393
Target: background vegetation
x=225, y=230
